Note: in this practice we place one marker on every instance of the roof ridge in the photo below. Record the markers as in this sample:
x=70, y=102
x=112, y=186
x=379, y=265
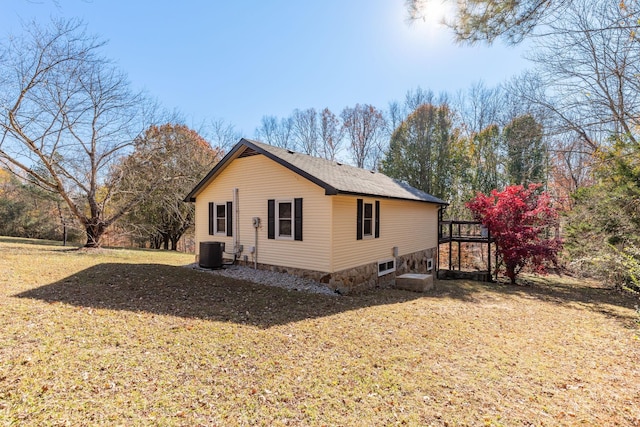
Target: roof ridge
x=335, y=177
x=317, y=158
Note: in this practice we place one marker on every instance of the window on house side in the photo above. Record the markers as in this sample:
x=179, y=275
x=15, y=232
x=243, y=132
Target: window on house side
x=386, y=267
x=367, y=220
x=284, y=219
x=221, y=218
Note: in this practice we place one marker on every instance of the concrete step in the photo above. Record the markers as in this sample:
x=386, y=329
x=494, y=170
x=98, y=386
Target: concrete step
x=414, y=282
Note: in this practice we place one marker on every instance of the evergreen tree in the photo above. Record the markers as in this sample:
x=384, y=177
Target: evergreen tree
x=525, y=152
x=484, y=155
x=421, y=151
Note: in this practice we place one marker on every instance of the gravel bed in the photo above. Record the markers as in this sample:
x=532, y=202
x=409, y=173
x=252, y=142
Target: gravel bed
x=269, y=278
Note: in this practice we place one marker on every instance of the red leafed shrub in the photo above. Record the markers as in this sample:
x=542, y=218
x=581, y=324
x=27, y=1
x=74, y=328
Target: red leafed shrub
x=522, y=222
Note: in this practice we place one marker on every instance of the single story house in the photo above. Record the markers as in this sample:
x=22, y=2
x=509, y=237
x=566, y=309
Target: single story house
x=285, y=211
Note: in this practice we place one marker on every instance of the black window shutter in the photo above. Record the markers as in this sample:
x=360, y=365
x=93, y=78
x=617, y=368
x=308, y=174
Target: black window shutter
x=297, y=230
x=211, y=218
x=377, y=219
x=271, y=219
x=229, y=218
x=359, y=220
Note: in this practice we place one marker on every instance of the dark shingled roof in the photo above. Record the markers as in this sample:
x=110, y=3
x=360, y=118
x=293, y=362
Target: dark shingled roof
x=334, y=177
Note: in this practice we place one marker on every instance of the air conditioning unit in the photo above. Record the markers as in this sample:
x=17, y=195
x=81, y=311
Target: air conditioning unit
x=210, y=254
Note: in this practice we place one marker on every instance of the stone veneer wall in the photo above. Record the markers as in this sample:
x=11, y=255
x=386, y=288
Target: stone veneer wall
x=416, y=262
x=363, y=277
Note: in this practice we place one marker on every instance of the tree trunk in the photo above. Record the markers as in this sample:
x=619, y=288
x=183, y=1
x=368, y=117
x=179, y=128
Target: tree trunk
x=511, y=274
x=64, y=224
x=155, y=241
x=174, y=242
x=95, y=228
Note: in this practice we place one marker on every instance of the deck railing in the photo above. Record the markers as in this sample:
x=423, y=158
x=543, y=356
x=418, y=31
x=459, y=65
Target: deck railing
x=454, y=233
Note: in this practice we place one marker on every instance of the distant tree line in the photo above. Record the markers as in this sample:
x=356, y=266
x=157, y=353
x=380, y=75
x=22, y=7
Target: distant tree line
x=448, y=146
x=28, y=211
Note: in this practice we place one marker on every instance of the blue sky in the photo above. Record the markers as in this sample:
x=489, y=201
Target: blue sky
x=240, y=60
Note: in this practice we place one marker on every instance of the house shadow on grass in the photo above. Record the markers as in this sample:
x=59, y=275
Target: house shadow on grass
x=188, y=293
x=185, y=292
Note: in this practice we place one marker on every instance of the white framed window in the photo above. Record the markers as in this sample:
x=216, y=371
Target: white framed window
x=220, y=220
x=386, y=266
x=284, y=219
x=367, y=220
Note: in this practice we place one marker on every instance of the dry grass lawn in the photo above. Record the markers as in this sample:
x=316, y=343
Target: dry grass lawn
x=132, y=338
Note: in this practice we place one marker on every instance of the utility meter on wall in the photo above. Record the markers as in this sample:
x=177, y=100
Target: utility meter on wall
x=256, y=222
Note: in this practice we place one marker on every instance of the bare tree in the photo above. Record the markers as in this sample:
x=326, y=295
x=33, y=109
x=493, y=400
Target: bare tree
x=478, y=107
x=364, y=126
x=395, y=115
x=71, y=110
x=417, y=97
x=276, y=132
x=570, y=168
x=223, y=135
x=331, y=134
x=590, y=75
x=305, y=130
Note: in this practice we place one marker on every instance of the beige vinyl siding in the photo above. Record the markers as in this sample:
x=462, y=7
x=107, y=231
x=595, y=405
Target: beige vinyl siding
x=411, y=226
x=259, y=179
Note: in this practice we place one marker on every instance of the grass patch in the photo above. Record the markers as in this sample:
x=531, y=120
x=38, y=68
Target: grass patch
x=122, y=337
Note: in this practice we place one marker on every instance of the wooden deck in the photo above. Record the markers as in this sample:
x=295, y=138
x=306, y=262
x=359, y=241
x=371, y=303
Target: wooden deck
x=454, y=233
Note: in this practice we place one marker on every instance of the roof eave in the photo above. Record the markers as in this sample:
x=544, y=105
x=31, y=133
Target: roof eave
x=379, y=196
x=231, y=155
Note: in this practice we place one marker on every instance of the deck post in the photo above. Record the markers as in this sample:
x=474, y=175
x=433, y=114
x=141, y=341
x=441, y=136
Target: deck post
x=450, y=245
x=489, y=255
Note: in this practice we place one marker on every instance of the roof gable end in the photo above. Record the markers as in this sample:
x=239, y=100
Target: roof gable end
x=246, y=148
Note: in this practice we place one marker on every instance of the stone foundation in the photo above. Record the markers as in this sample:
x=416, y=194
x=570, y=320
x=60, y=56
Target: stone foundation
x=363, y=277
x=417, y=262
